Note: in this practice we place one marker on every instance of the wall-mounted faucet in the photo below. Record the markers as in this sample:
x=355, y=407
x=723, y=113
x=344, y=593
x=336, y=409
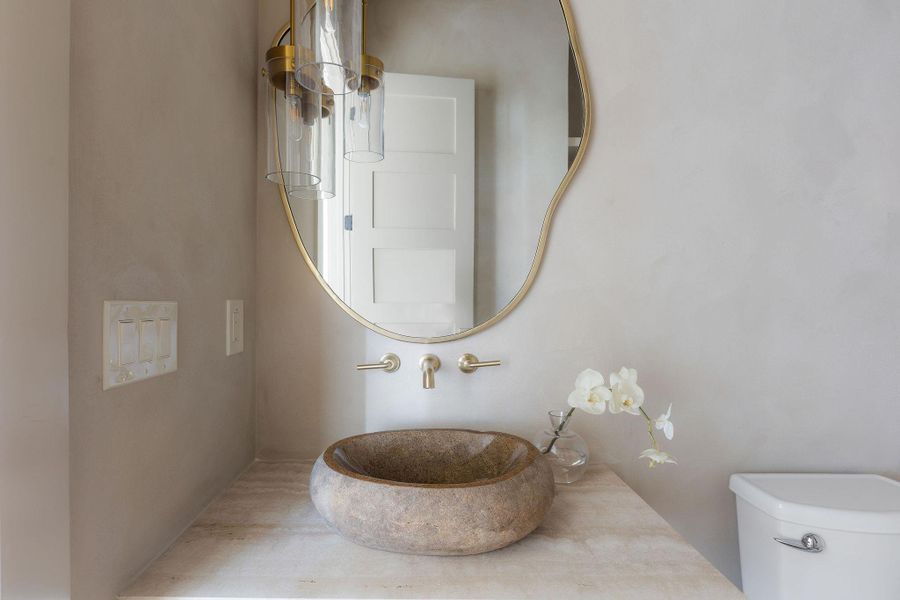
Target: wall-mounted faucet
x=429, y=364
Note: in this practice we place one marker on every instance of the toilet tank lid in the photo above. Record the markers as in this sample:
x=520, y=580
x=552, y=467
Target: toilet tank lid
x=860, y=503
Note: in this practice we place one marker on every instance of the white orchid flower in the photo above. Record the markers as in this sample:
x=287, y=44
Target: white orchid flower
x=663, y=422
x=657, y=457
x=590, y=393
x=626, y=394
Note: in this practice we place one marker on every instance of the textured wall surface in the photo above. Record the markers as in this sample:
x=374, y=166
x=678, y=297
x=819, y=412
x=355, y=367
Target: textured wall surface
x=34, y=221
x=306, y=391
x=733, y=234
x=163, y=192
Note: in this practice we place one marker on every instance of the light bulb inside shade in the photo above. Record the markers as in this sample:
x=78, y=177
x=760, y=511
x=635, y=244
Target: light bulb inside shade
x=365, y=106
x=364, y=124
x=295, y=117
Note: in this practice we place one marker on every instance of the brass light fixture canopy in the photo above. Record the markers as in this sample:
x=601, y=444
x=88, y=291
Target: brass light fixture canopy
x=545, y=226
x=373, y=71
x=280, y=62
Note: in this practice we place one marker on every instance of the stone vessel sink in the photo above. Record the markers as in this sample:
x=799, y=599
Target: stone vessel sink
x=432, y=491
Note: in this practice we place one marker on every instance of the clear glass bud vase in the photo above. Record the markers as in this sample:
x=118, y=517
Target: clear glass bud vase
x=566, y=451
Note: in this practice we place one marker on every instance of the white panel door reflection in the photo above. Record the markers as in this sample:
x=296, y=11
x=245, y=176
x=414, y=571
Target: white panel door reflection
x=412, y=242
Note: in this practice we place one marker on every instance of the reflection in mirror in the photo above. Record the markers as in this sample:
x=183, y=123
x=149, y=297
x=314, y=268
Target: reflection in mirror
x=483, y=117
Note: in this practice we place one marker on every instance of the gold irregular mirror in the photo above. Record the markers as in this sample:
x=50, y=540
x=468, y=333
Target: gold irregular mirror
x=442, y=166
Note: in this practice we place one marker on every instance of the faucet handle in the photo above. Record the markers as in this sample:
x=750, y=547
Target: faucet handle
x=469, y=363
x=390, y=362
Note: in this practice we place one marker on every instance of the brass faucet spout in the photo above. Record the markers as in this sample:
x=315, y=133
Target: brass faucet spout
x=429, y=365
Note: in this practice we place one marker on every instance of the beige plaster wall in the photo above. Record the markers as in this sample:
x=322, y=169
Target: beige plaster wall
x=163, y=144
x=302, y=342
x=34, y=222
x=733, y=234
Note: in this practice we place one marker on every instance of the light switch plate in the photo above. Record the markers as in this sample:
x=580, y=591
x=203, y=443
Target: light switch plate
x=234, y=327
x=140, y=340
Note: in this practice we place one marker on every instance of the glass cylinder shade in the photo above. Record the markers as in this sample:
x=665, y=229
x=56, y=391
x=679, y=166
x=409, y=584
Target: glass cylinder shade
x=322, y=152
x=329, y=36
x=292, y=119
x=364, y=116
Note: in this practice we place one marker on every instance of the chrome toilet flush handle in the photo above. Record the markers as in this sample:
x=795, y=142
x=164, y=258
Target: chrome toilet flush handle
x=469, y=363
x=390, y=362
x=810, y=542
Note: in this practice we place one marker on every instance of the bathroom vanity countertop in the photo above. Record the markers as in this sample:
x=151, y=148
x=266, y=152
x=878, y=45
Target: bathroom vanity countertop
x=262, y=538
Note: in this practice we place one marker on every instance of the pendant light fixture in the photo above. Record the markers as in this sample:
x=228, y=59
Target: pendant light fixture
x=320, y=149
x=330, y=34
x=364, y=112
x=301, y=127
x=289, y=120
x=302, y=109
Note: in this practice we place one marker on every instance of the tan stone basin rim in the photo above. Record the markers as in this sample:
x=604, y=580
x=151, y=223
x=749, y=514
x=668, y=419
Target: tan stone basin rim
x=441, y=492
x=532, y=454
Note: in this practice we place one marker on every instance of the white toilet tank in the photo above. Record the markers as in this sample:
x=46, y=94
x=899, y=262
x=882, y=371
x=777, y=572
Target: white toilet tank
x=854, y=550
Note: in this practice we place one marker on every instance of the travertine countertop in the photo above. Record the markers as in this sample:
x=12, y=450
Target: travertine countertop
x=263, y=539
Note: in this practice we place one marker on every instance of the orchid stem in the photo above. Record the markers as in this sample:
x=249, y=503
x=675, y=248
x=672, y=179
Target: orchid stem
x=650, y=429
x=558, y=430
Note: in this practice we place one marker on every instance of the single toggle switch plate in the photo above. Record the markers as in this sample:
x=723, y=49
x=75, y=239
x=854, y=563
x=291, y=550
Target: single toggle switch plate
x=140, y=341
x=234, y=327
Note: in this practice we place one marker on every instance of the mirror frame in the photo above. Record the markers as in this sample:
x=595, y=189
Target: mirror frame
x=545, y=226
